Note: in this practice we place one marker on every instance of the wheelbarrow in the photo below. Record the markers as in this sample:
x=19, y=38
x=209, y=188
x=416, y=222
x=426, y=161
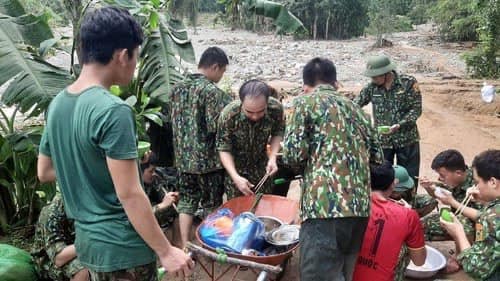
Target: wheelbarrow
x=264, y=267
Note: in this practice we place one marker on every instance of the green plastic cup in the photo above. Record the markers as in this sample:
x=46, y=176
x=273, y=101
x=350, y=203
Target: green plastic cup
x=384, y=129
x=143, y=147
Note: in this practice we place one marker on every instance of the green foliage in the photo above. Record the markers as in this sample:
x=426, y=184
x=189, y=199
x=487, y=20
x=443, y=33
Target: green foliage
x=484, y=61
x=420, y=11
x=383, y=20
x=54, y=9
x=285, y=21
x=329, y=19
x=458, y=20
x=210, y=6
x=18, y=175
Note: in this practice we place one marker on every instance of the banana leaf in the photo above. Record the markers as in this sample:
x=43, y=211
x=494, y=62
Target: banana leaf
x=284, y=20
x=33, y=81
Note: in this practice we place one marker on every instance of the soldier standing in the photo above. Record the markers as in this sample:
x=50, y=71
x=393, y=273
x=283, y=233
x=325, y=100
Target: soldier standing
x=53, y=250
x=397, y=104
x=333, y=140
x=245, y=128
x=196, y=103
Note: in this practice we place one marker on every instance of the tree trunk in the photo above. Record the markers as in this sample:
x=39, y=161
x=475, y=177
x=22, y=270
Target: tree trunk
x=327, y=25
x=315, y=26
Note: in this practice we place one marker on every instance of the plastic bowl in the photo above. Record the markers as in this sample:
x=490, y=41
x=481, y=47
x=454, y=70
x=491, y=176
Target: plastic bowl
x=434, y=262
x=142, y=148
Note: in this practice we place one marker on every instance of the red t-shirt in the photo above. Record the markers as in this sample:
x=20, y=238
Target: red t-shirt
x=389, y=227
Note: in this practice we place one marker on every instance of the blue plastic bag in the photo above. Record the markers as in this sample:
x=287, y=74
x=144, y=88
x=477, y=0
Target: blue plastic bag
x=217, y=228
x=247, y=228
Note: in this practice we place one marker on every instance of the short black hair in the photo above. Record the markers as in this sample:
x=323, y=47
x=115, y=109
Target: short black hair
x=450, y=159
x=487, y=164
x=105, y=30
x=153, y=160
x=319, y=70
x=382, y=176
x=211, y=56
x=254, y=88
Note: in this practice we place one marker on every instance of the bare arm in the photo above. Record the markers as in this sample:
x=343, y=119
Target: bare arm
x=272, y=167
x=45, y=169
x=138, y=209
x=66, y=255
x=240, y=182
x=418, y=256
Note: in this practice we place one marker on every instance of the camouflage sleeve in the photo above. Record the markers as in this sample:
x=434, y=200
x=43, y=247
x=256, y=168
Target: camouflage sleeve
x=297, y=133
x=372, y=139
x=223, y=139
x=483, y=257
x=364, y=97
x=215, y=103
x=415, y=105
x=55, y=236
x=278, y=129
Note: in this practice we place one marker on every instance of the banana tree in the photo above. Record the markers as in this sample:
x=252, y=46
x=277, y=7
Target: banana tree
x=285, y=21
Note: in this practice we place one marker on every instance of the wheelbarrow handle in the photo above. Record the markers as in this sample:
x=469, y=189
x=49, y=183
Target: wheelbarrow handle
x=197, y=250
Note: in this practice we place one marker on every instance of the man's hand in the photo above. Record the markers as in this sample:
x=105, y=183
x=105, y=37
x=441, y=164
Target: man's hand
x=428, y=185
x=444, y=196
x=243, y=185
x=455, y=228
x=395, y=128
x=177, y=263
x=168, y=200
x=271, y=167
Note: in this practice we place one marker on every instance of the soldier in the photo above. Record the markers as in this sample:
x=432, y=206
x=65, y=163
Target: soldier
x=196, y=103
x=481, y=260
x=455, y=176
x=53, y=251
x=333, y=140
x=397, y=104
x=159, y=192
x=245, y=128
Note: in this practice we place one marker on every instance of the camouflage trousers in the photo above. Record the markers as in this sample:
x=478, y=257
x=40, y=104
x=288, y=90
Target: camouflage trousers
x=424, y=204
x=205, y=190
x=253, y=175
x=48, y=271
x=434, y=232
x=147, y=272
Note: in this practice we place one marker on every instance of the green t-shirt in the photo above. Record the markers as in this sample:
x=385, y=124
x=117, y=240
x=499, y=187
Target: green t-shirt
x=82, y=130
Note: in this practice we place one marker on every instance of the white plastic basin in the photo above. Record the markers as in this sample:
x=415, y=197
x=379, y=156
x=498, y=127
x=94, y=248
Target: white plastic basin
x=434, y=262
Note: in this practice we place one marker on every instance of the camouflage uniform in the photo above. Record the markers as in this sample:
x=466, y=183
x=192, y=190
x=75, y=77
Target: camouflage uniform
x=196, y=104
x=482, y=259
x=54, y=232
x=432, y=227
x=246, y=141
x=147, y=272
x=402, y=104
x=155, y=192
x=335, y=142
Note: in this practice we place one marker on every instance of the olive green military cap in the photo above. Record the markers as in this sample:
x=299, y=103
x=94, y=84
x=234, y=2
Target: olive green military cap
x=378, y=65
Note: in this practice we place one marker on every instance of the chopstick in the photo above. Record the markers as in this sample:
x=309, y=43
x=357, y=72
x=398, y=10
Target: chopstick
x=261, y=183
x=439, y=183
x=464, y=203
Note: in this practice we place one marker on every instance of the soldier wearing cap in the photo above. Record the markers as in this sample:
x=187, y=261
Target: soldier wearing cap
x=397, y=104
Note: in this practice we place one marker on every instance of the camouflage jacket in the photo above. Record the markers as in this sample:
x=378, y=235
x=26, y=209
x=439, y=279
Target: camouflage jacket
x=402, y=105
x=54, y=232
x=246, y=140
x=460, y=191
x=196, y=104
x=482, y=259
x=333, y=140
